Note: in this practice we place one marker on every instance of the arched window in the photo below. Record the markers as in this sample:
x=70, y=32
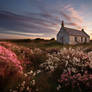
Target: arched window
x=81, y=39
x=75, y=38
x=62, y=39
x=85, y=39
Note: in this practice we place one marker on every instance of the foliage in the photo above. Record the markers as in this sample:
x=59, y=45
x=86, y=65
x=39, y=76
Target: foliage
x=10, y=69
x=24, y=68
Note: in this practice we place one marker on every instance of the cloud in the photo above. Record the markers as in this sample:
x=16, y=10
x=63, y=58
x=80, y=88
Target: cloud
x=74, y=24
x=45, y=22
x=68, y=13
x=73, y=17
x=13, y=36
x=91, y=36
x=30, y=24
x=25, y=34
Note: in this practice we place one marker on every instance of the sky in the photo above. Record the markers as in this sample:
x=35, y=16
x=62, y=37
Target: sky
x=42, y=18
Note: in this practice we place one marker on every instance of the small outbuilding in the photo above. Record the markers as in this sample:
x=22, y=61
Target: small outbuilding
x=72, y=36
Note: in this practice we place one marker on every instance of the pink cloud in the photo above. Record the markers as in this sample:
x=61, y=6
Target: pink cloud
x=73, y=16
x=74, y=24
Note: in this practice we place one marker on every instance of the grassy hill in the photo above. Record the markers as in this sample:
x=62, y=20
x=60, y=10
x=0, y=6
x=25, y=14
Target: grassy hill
x=43, y=62
x=41, y=43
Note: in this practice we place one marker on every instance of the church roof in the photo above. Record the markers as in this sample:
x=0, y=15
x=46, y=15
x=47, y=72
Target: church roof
x=76, y=32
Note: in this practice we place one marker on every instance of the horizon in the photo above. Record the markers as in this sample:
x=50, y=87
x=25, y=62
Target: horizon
x=42, y=19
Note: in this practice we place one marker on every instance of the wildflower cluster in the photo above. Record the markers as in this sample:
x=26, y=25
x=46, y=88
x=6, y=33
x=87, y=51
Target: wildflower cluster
x=8, y=55
x=78, y=81
x=75, y=66
x=51, y=63
x=10, y=68
x=24, y=69
x=77, y=71
x=27, y=84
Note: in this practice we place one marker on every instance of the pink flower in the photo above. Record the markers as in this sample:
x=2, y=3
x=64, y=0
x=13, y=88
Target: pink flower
x=8, y=55
x=90, y=76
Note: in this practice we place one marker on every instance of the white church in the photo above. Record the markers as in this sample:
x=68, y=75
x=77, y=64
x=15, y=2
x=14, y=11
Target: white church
x=72, y=36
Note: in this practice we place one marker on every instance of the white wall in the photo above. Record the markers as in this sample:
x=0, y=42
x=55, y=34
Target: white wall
x=65, y=36
x=79, y=40
x=69, y=39
x=72, y=40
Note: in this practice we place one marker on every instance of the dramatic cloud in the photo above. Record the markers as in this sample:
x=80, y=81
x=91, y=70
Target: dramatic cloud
x=68, y=14
x=42, y=18
x=91, y=35
x=73, y=17
x=25, y=24
x=41, y=23
x=11, y=36
x=44, y=22
x=74, y=24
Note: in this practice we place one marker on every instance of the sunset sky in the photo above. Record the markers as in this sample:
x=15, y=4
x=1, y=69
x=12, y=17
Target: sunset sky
x=42, y=18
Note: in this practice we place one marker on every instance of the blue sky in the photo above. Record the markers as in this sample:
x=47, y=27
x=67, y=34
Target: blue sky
x=42, y=18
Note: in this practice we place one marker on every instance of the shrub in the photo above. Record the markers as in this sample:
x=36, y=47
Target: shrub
x=75, y=82
x=77, y=71
x=27, y=84
x=38, y=57
x=75, y=67
x=10, y=69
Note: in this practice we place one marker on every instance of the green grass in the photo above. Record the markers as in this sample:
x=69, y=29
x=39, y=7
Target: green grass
x=38, y=43
x=42, y=44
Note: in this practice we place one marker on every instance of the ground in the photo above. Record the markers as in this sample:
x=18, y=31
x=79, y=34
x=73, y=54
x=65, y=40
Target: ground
x=40, y=43
x=43, y=62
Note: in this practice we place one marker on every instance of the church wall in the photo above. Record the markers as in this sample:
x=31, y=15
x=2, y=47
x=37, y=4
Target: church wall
x=73, y=40
x=63, y=37
x=88, y=40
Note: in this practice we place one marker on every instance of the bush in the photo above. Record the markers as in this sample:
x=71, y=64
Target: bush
x=38, y=57
x=76, y=82
x=10, y=69
x=75, y=67
x=76, y=75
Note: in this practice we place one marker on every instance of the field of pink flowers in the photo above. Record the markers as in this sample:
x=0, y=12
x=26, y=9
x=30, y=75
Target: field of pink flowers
x=23, y=69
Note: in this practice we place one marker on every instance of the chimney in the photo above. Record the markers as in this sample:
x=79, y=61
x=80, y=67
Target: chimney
x=62, y=23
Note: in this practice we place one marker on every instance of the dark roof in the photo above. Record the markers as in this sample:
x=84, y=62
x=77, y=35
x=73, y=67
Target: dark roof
x=76, y=32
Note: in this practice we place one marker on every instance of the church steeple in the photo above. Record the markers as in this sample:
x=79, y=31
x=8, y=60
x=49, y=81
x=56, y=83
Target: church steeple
x=82, y=30
x=62, y=24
